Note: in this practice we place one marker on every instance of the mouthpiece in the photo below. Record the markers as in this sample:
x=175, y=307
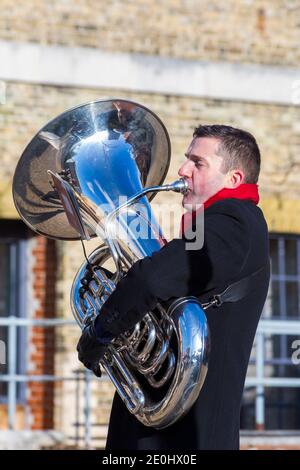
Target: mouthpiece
x=180, y=186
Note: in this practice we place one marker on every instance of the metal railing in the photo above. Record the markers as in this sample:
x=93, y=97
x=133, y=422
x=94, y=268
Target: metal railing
x=260, y=381
x=13, y=378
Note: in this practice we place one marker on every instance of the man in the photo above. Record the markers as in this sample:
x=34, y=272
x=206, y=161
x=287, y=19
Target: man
x=221, y=168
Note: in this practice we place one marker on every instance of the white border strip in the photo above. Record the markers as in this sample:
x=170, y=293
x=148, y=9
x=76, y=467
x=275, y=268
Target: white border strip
x=87, y=67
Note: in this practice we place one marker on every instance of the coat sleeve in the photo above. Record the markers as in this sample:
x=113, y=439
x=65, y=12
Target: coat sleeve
x=174, y=271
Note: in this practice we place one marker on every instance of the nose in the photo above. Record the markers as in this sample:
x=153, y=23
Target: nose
x=186, y=169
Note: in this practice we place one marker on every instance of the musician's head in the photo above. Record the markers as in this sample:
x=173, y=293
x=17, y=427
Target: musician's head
x=218, y=157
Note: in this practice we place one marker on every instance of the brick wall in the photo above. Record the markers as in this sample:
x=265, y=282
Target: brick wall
x=41, y=345
x=260, y=31
x=29, y=107
x=276, y=128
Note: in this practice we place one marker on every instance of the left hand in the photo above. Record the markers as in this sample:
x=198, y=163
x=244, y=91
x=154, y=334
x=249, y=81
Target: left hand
x=90, y=349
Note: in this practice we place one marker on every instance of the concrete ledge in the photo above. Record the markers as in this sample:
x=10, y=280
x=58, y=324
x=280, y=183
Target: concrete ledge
x=273, y=440
x=89, y=67
x=29, y=440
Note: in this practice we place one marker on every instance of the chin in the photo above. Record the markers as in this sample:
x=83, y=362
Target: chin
x=191, y=205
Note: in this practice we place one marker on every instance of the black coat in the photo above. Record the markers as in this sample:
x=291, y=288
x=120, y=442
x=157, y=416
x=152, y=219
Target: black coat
x=235, y=245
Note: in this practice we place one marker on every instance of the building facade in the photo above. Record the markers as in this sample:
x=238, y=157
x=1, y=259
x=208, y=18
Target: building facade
x=190, y=62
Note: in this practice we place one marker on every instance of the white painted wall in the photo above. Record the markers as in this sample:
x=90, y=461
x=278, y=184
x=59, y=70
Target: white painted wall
x=88, y=67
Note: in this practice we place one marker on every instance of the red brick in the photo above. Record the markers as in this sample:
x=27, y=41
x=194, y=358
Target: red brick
x=44, y=272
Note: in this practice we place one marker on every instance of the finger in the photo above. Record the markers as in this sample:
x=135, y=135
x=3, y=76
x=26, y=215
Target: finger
x=88, y=365
x=97, y=370
x=81, y=358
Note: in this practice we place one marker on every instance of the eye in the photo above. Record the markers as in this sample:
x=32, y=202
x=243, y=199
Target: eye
x=198, y=164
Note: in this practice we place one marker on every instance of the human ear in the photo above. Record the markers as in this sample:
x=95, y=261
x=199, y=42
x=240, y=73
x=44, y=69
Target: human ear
x=234, y=179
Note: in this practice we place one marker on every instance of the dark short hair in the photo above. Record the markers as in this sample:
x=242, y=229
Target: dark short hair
x=238, y=148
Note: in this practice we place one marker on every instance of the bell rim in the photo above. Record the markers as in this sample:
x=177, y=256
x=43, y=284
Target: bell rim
x=150, y=196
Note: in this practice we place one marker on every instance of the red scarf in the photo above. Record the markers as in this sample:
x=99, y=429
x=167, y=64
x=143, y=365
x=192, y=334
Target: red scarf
x=244, y=191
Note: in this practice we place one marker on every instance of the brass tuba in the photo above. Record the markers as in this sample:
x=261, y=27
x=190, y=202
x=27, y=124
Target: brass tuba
x=92, y=172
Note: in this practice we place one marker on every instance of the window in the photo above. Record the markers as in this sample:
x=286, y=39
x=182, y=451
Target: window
x=285, y=256
x=12, y=294
x=282, y=405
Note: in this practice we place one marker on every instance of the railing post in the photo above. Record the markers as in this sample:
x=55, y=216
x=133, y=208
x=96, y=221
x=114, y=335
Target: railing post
x=87, y=408
x=77, y=406
x=12, y=361
x=260, y=397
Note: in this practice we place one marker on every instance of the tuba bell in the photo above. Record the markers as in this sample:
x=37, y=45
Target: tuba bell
x=92, y=172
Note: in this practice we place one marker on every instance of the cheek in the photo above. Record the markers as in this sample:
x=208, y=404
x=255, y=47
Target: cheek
x=205, y=182
x=200, y=180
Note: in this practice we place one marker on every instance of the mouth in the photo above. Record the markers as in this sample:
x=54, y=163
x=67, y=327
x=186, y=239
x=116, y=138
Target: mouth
x=187, y=188
x=188, y=191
